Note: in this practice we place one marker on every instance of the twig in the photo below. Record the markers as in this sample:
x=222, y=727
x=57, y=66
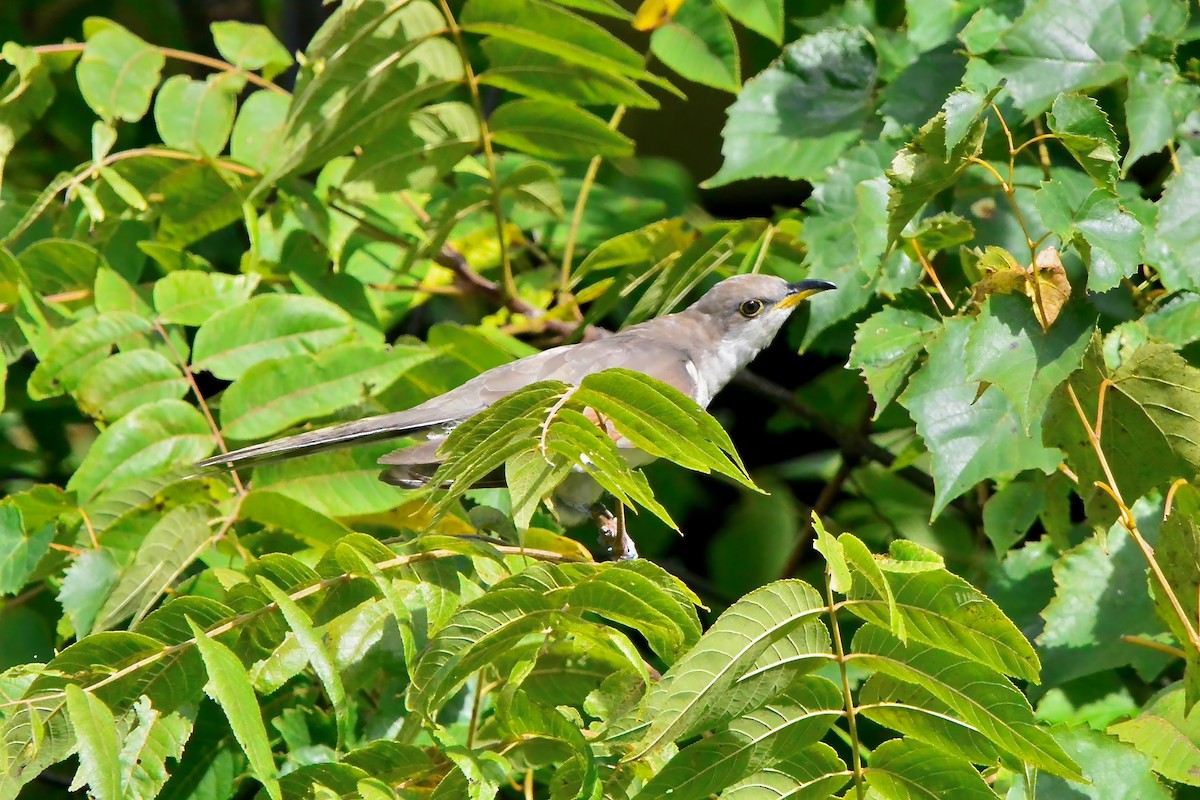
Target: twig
x=179, y=55
x=1150, y=644
x=928, y=268
x=829, y=493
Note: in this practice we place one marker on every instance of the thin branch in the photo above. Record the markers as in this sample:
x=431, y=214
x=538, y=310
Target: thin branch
x=585, y=189
x=933, y=276
x=489, y=153
x=1150, y=644
x=848, y=441
x=191, y=379
x=179, y=55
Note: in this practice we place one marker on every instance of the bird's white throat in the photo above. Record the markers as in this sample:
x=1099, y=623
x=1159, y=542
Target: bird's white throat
x=714, y=367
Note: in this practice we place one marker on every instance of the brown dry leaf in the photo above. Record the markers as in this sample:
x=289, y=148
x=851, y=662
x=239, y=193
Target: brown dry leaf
x=1052, y=282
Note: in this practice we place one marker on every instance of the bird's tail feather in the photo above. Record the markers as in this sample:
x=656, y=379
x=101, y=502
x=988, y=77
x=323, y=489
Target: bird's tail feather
x=360, y=431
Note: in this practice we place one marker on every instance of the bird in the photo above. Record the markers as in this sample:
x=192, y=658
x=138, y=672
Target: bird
x=697, y=350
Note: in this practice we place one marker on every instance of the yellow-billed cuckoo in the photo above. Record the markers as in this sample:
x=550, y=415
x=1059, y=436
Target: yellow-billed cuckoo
x=697, y=350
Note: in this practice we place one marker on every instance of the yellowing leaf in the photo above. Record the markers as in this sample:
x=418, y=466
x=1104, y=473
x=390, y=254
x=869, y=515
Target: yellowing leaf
x=1051, y=284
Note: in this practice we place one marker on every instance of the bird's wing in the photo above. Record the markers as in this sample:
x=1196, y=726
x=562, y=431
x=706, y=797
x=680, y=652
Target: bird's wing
x=635, y=349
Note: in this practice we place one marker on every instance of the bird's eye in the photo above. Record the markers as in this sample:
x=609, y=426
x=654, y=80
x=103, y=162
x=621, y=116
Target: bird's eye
x=751, y=308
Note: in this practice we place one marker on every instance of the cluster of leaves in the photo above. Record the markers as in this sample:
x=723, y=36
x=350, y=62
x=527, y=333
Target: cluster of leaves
x=1007, y=194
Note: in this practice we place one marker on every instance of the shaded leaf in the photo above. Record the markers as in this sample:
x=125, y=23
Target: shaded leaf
x=1113, y=771
x=96, y=731
x=800, y=114
x=555, y=130
x=229, y=686
x=1177, y=230
x=886, y=347
x=1168, y=735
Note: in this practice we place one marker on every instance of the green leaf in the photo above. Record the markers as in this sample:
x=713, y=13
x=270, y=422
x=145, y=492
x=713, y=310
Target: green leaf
x=915, y=712
x=344, y=483
x=886, y=347
x=60, y=265
x=796, y=118
x=1157, y=101
x=546, y=27
x=190, y=297
x=1165, y=733
x=1111, y=768
x=530, y=476
x=1112, y=241
x=251, y=47
x=258, y=130
x=78, y=348
x=276, y=394
x=835, y=557
x=761, y=16
x=177, y=540
x=1084, y=130
x=699, y=44
x=279, y=511
x=1008, y=349
x=1011, y=511
x=28, y=523
x=478, y=632
x=1176, y=321
x=27, y=93
x=118, y=73
x=318, y=656
x=902, y=769
x=364, y=75
x=793, y=721
x=1177, y=554
x=548, y=129
x=1177, y=230
x=1151, y=423
x=925, y=167
x=545, y=76
x=1087, y=48
x=197, y=116
x=151, y=439
x=970, y=436
x=845, y=235
x=154, y=738
x=679, y=705
x=122, y=382
x=268, y=326
x=936, y=607
x=815, y=773
x=979, y=696
x=229, y=686
x=96, y=730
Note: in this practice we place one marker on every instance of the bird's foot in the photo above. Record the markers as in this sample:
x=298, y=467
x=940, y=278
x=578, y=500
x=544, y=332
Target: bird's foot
x=613, y=536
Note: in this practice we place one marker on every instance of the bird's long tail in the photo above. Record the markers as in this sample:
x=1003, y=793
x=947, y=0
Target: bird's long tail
x=385, y=426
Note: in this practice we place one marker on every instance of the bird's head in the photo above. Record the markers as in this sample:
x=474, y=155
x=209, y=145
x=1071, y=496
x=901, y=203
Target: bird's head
x=749, y=310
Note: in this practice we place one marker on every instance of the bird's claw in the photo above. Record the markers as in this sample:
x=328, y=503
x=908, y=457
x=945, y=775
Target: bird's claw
x=613, y=536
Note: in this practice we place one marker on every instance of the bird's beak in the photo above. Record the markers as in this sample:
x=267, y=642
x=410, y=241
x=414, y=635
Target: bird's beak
x=801, y=291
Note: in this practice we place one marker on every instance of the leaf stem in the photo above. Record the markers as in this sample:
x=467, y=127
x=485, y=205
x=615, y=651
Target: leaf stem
x=489, y=153
x=851, y=722
x=1129, y=522
x=585, y=189
x=933, y=276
